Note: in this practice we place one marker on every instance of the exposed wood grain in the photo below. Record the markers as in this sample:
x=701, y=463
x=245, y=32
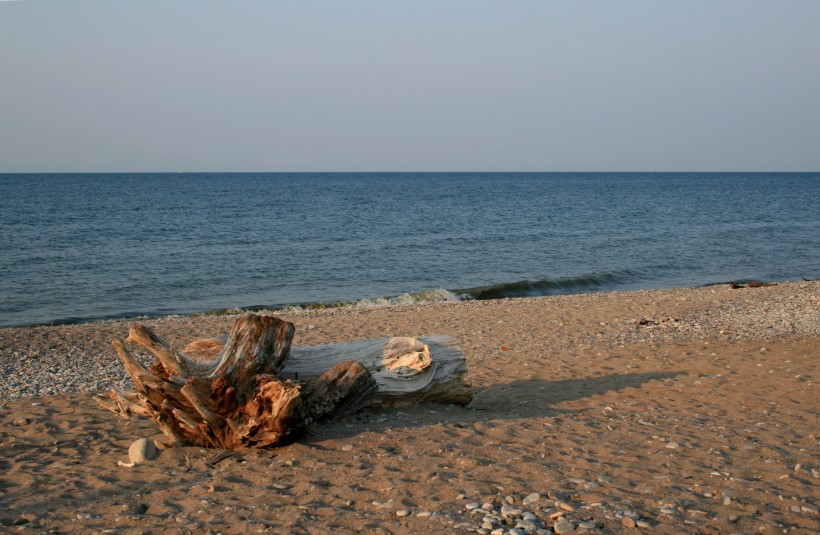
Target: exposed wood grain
x=236, y=398
x=400, y=366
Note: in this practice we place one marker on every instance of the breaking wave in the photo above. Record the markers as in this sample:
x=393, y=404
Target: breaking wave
x=567, y=285
x=438, y=295
x=524, y=288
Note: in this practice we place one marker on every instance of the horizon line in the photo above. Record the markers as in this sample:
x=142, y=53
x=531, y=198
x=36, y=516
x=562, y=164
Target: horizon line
x=383, y=172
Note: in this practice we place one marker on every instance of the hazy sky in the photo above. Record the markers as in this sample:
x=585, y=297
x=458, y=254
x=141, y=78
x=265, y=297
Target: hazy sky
x=383, y=85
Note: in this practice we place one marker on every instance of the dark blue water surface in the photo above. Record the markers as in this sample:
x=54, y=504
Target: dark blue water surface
x=76, y=247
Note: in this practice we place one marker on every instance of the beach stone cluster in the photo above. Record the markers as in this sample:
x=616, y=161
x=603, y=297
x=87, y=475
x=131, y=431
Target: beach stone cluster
x=557, y=511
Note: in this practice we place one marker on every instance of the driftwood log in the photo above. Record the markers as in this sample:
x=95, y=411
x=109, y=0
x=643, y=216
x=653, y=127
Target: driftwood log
x=259, y=392
x=427, y=369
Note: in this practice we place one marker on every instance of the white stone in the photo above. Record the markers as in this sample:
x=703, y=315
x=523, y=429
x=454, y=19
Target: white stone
x=508, y=511
x=562, y=525
x=142, y=450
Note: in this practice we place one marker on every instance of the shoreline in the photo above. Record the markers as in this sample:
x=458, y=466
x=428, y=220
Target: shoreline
x=494, y=292
x=679, y=410
x=31, y=352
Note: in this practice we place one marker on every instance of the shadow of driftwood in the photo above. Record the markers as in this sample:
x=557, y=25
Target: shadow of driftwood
x=530, y=398
x=547, y=393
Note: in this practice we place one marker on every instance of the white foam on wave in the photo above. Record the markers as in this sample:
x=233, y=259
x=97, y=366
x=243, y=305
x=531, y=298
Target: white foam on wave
x=439, y=295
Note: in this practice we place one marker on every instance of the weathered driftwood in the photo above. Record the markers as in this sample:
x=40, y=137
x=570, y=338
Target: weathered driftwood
x=407, y=370
x=235, y=400
x=258, y=391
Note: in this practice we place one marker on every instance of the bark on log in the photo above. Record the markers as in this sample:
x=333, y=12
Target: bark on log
x=249, y=393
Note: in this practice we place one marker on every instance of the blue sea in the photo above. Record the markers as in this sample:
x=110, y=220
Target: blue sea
x=79, y=247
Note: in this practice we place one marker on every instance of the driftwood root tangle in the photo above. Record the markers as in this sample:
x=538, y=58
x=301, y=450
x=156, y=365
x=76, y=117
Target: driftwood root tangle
x=236, y=400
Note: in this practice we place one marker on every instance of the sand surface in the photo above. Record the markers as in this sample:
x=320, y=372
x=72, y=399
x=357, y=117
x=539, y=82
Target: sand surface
x=676, y=411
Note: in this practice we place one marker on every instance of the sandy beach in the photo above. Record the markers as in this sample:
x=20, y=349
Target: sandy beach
x=665, y=411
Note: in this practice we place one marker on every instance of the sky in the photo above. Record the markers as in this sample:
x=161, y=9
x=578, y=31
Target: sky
x=262, y=85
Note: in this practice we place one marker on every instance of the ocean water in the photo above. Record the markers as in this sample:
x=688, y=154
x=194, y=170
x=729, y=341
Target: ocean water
x=77, y=247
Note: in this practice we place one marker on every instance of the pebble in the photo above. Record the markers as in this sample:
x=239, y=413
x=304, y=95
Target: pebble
x=531, y=498
x=526, y=525
x=508, y=511
x=139, y=508
x=401, y=513
x=562, y=525
x=424, y=514
x=628, y=522
x=142, y=450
